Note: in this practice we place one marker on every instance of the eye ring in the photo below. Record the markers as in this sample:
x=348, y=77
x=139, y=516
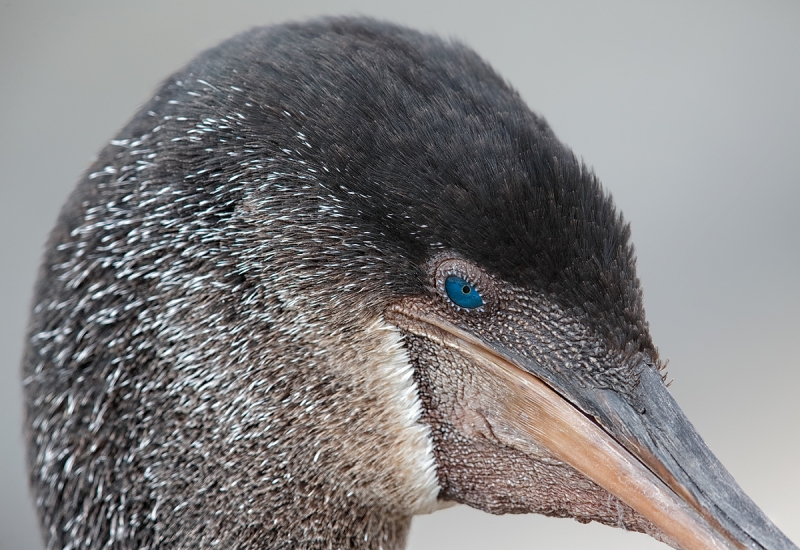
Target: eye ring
x=462, y=293
x=463, y=285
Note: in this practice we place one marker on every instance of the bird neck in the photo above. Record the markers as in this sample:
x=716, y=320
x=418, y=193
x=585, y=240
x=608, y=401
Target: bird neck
x=309, y=524
x=298, y=514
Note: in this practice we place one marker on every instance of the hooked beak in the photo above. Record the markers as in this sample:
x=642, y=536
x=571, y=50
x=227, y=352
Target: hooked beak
x=652, y=458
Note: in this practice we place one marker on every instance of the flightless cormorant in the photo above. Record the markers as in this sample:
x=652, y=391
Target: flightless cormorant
x=336, y=274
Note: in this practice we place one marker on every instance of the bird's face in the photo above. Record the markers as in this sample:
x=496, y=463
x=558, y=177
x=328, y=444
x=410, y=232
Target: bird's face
x=531, y=410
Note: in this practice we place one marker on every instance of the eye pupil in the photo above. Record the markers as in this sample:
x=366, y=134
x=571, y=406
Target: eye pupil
x=462, y=293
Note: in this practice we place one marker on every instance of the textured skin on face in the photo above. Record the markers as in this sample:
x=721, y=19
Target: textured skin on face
x=477, y=469
x=206, y=364
x=478, y=463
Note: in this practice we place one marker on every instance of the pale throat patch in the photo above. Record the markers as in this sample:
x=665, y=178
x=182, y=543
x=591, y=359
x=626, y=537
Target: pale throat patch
x=393, y=378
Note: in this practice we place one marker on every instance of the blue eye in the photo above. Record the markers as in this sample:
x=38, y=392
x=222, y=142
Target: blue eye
x=462, y=293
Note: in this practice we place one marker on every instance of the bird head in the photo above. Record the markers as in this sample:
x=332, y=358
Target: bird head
x=341, y=265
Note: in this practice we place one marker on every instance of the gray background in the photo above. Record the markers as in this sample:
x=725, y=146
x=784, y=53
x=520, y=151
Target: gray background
x=689, y=113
